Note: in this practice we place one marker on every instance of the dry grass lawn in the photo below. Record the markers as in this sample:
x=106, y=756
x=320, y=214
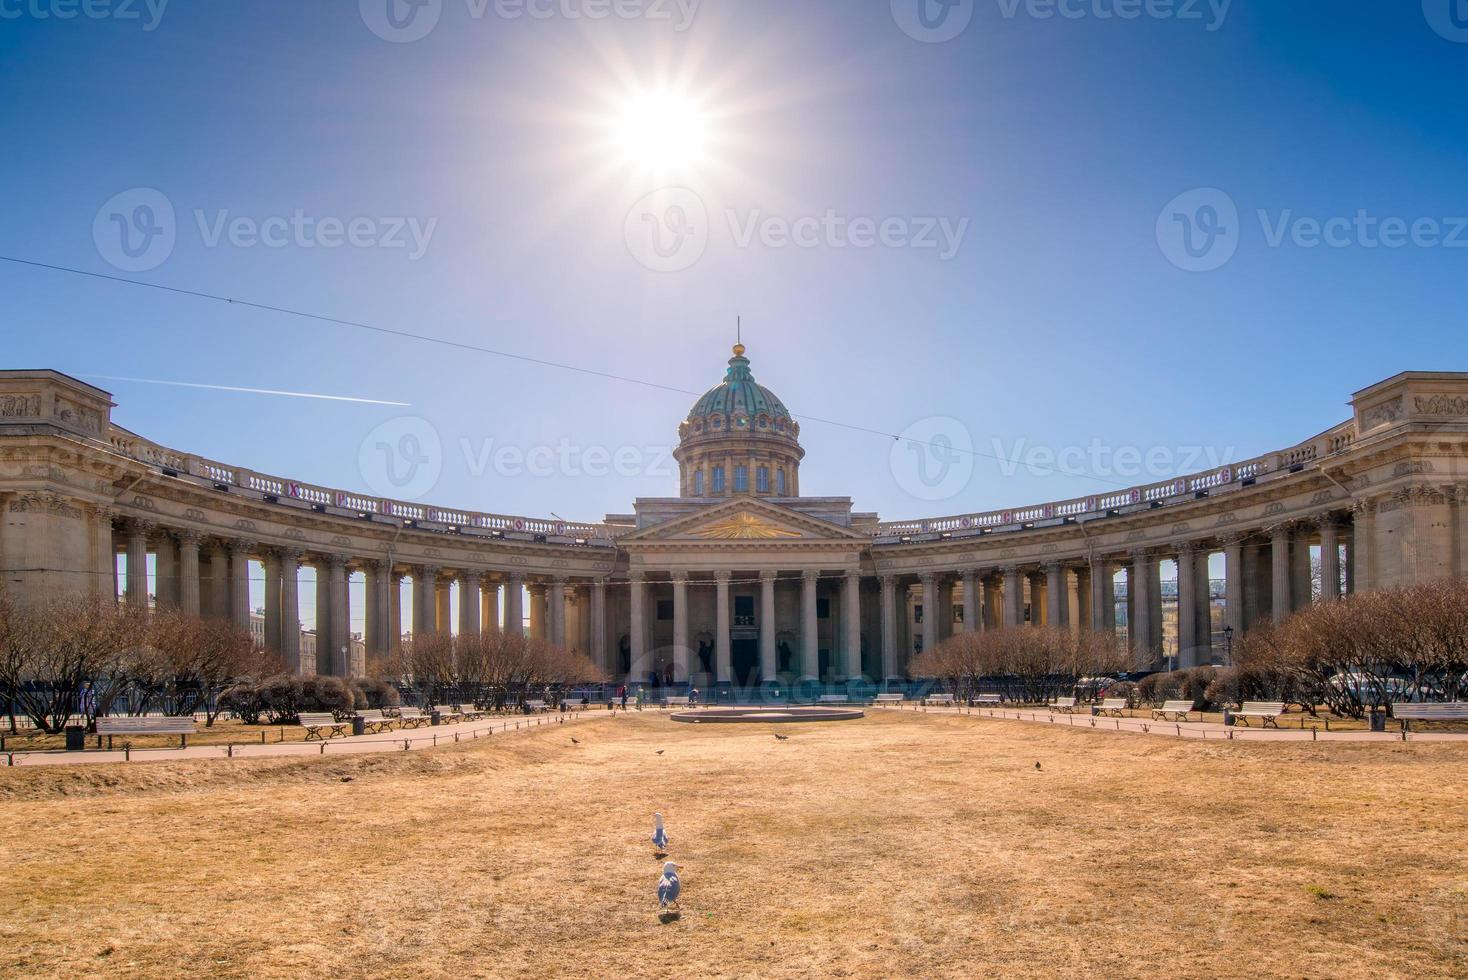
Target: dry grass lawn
x=902, y=844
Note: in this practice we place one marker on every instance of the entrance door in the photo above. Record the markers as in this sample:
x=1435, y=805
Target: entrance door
x=744, y=662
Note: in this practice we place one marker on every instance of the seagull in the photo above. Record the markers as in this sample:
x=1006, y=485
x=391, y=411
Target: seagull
x=659, y=833
x=668, y=887
x=575, y=740
x=661, y=751
x=783, y=738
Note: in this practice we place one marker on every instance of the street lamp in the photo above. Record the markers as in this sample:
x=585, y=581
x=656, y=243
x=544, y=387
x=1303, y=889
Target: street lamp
x=1228, y=644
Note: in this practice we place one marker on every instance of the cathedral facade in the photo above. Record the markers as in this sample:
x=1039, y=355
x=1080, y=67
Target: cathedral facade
x=739, y=580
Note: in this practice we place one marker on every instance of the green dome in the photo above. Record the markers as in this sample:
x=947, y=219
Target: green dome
x=739, y=395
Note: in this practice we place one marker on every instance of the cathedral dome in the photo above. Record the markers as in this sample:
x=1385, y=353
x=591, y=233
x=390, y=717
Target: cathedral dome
x=739, y=397
x=739, y=438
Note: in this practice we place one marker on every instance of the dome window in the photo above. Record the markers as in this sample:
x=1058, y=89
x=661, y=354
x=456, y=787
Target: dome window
x=762, y=479
x=741, y=479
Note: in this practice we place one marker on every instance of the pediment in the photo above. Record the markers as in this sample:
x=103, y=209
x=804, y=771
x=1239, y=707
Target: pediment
x=743, y=520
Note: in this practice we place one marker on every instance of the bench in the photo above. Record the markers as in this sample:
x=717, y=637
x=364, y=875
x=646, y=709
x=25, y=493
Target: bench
x=1267, y=712
x=988, y=699
x=412, y=717
x=1063, y=706
x=834, y=699
x=322, y=725
x=534, y=705
x=938, y=699
x=574, y=704
x=182, y=727
x=375, y=721
x=675, y=702
x=1406, y=713
x=1112, y=706
x=889, y=699
x=468, y=712
x=1178, y=709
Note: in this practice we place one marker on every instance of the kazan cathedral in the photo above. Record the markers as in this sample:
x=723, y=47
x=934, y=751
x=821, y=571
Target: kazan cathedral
x=740, y=580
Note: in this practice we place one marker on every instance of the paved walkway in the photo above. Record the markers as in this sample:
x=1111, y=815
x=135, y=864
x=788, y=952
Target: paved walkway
x=1205, y=730
x=404, y=741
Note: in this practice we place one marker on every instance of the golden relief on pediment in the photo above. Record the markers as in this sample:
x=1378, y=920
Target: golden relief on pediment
x=745, y=526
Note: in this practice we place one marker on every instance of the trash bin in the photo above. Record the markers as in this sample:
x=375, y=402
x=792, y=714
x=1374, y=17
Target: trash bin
x=359, y=727
x=435, y=717
x=1228, y=718
x=76, y=738
x=1378, y=720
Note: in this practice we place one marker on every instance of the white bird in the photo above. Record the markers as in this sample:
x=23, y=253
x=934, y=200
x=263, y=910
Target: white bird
x=659, y=834
x=668, y=887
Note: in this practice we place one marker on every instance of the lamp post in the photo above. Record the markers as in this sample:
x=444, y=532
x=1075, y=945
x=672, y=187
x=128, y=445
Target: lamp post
x=1228, y=644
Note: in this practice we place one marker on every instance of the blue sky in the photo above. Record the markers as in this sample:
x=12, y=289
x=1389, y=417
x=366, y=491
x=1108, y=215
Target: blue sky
x=1061, y=320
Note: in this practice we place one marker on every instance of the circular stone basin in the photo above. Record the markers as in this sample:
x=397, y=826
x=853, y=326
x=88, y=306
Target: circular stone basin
x=757, y=715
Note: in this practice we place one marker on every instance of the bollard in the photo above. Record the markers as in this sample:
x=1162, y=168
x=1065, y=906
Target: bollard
x=1179, y=729
x=405, y=745
x=262, y=738
x=1314, y=734
x=435, y=738
x=229, y=751
x=127, y=751
x=323, y=748
x=10, y=758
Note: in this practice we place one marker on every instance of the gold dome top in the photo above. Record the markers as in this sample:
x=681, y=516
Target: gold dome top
x=738, y=350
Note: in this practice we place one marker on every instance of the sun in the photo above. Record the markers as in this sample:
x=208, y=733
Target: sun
x=662, y=131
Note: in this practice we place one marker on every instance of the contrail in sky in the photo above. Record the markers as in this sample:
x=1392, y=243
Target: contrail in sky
x=249, y=391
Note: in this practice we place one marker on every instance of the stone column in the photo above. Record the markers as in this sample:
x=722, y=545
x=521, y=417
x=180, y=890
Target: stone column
x=537, y=610
x=851, y=624
x=971, y=614
x=1055, y=596
x=1233, y=585
x=165, y=572
x=1187, y=607
x=681, y=659
x=637, y=627
x=239, y=582
x=374, y=629
x=723, y=652
x=810, y=645
x=1139, y=597
x=425, y=578
x=1363, y=551
x=889, y=627
x=323, y=660
x=1330, y=559
x=768, y=662
x=188, y=572
x=555, y=599
x=394, y=610
x=1301, y=585
x=290, y=609
x=469, y=604
x=599, y=625
x=341, y=629
x=137, y=563
x=272, y=601
x=515, y=604
x=928, y=582
x=1279, y=554
x=489, y=606
x=1103, y=596
x=1014, y=598
x=443, y=609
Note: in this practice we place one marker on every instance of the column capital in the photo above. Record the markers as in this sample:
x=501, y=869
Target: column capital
x=560, y=581
x=722, y=576
x=138, y=525
x=680, y=578
x=635, y=578
x=767, y=576
x=377, y=564
x=428, y=571
x=338, y=561
x=243, y=544
x=290, y=555
x=599, y=582
x=810, y=576
x=471, y=575
x=1054, y=566
x=852, y=573
x=187, y=535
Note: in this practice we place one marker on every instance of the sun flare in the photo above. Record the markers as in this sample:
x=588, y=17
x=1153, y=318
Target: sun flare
x=661, y=131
